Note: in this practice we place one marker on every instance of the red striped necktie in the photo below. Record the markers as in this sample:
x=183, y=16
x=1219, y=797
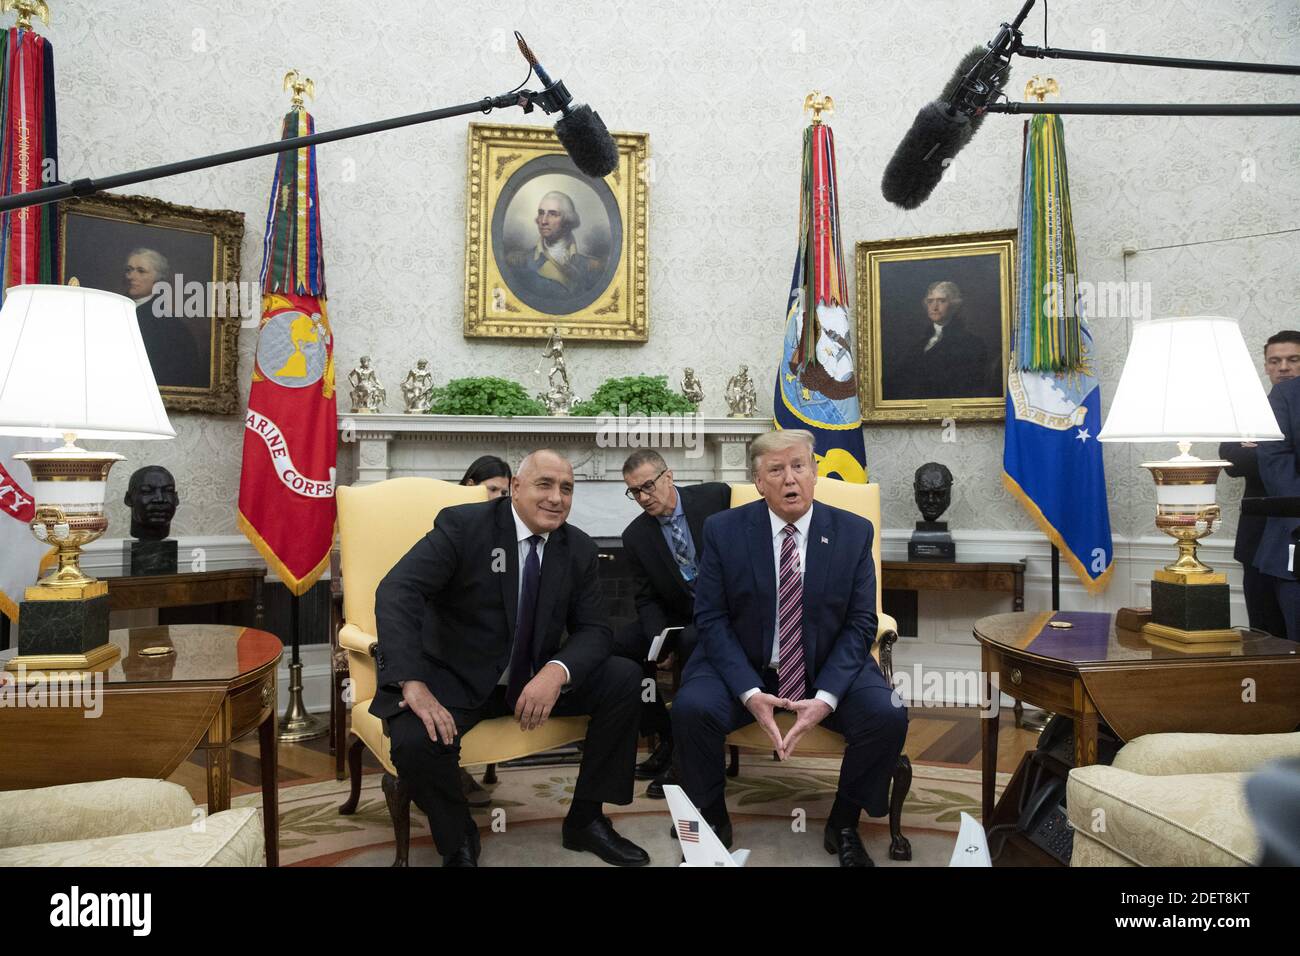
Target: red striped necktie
x=791, y=680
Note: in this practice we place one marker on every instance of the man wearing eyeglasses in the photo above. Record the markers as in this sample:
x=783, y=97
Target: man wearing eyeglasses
x=661, y=547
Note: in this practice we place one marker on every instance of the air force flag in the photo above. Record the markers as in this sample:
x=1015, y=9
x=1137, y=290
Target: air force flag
x=1052, y=462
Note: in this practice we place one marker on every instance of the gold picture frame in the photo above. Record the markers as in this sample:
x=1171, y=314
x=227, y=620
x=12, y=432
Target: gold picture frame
x=513, y=287
x=191, y=316
x=961, y=373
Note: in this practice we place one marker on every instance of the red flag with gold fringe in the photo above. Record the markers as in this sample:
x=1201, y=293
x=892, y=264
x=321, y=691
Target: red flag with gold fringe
x=286, y=488
x=29, y=253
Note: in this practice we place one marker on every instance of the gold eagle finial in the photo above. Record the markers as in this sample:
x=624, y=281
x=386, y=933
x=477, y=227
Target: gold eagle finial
x=818, y=104
x=1040, y=88
x=26, y=9
x=293, y=80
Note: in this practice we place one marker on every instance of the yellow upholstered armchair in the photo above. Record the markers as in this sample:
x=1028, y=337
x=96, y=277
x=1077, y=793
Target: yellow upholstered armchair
x=864, y=500
x=378, y=524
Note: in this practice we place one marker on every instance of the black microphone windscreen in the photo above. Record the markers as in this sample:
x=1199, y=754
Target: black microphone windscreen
x=924, y=153
x=584, y=137
x=995, y=76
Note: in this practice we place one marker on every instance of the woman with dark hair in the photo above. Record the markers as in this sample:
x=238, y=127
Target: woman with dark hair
x=490, y=471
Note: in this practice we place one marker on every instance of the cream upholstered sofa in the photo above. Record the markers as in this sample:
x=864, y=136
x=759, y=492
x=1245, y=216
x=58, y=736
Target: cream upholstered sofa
x=1171, y=800
x=127, y=822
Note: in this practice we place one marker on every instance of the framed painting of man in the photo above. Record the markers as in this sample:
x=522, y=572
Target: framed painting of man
x=934, y=314
x=547, y=246
x=180, y=265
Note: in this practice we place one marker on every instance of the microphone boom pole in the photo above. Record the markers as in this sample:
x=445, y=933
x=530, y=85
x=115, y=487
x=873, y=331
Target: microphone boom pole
x=84, y=187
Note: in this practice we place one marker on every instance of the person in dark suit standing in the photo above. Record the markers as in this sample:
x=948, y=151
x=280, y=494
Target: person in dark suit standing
x=1281, y=363
x=1279, y=470
x=515, y=626
x=661, y=546
x=948, y=361
x=785, y=608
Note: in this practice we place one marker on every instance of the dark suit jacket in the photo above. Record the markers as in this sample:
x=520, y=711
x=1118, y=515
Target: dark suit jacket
x=465, y=574
x=662, y=598
x=173, y=352
x=1245, y=464
x=1279, y=470
x=735, y=599
x=956, y=367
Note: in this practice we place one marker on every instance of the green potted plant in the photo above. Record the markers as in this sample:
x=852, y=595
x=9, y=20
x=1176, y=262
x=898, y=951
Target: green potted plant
x=635, y=395
x=483, y=395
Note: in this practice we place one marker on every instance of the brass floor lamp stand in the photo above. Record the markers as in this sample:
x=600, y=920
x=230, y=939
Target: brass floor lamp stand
x=298, y=723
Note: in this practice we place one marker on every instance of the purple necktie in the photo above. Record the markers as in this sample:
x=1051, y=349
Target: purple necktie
x=521, y=657
x=791, y=682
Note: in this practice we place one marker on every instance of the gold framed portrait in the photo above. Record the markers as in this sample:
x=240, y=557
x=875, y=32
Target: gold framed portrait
x=180, y=265
x=934, y=318
x=546, y=246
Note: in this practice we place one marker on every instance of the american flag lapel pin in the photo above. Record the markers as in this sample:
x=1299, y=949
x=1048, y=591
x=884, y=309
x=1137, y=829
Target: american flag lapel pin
x=825, y=540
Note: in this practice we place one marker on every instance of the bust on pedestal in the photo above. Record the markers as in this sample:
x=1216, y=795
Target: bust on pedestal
x=931, y=541
x=151, y=495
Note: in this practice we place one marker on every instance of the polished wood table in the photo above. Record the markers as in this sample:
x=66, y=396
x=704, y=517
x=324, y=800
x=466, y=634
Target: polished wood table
x=150, y=713
x=1136, y=684
x=995, y=577
x=190, y=589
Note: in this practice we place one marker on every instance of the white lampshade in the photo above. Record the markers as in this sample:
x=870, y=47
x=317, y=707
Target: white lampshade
x=72, y=360
x=1189, y=379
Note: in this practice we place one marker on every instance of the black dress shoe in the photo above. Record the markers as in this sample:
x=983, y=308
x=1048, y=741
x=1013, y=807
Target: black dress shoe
x=599, y=837
x=723, y=832
x=467, y=853
x=846, y=842
x=655, y=791
x=475, y=795
x=658, y=761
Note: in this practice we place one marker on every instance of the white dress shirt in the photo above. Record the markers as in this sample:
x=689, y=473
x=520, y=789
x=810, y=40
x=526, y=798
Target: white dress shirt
x=522, y=534
x=938, y=334
x=801, y=544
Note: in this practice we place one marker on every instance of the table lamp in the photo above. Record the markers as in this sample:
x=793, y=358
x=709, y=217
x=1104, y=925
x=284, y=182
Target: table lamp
x=72, y=365
x=1187, y=380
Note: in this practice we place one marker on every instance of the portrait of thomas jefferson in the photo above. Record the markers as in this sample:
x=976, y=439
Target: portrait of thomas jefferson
x=941, y=329
x=557, y=237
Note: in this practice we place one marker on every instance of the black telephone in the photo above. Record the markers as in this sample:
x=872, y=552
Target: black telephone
x=1044, y=822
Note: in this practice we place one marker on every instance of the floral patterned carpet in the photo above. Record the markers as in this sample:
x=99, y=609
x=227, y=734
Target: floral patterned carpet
x=777, y=809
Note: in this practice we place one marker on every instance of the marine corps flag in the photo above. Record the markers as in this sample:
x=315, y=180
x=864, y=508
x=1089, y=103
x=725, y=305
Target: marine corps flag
x=816, y=383
x=29, y=253
x=1051, y=460
x=286, y=488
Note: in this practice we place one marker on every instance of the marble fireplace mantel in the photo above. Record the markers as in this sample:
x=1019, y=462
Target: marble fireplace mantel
x=381, y=446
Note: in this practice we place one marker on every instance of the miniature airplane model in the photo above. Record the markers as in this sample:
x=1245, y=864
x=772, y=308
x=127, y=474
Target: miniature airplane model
x=972, y=848
x=700, y=845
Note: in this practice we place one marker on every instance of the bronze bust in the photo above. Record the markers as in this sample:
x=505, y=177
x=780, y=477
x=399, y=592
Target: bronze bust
x=151, y=495
x=932, y=485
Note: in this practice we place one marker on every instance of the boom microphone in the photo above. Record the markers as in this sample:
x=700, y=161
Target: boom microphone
x=943, y=127
x=581, y=131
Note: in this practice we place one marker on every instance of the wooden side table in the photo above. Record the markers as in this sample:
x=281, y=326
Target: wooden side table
x=229, y=586
x=218, y=685
x=995, y=577
x=1137, y=685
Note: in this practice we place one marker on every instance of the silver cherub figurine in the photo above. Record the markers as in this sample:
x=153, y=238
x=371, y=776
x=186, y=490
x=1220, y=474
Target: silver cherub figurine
x=740, y=395
x=417, y=388
x=692, y=388
x=368, y=395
